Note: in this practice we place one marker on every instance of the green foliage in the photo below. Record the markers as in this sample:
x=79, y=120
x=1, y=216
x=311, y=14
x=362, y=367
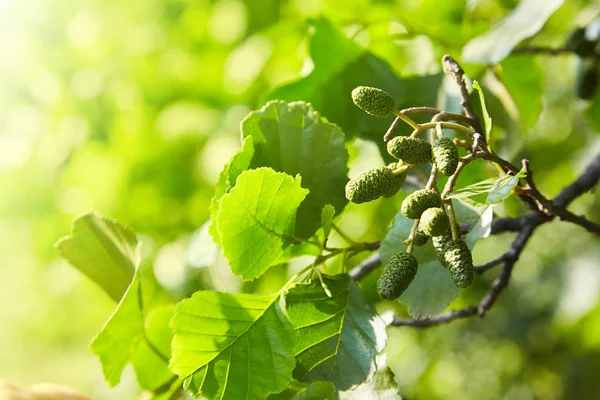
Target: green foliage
x=327, y=214
x=337, y=335
x=136, y=118
x=238, y=164
x=410, y=150
x=226, y=359
x=340, y=65
x=293, y=138
x=496, y=190
x=102, y=249
x=371, y=185
x=256, y=220
x=525, y=21
x=487, y=120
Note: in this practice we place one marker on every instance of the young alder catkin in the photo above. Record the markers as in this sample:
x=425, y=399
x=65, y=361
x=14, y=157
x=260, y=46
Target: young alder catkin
x=439, y=244
x=398, y=181
x=434, y=222
x=373, y=101
x=460, y=263
x=445, y=155
x=419, y=201
x=397, y=275
x=420, y=238
x=370, y=185
x=410, y=150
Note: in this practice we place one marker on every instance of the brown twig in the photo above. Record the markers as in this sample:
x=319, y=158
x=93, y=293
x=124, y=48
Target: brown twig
x=453, y=69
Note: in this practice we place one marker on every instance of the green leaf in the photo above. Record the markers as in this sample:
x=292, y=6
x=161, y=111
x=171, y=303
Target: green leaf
x=340, y=65
x=482, y=228
x=102, y=249
x=479, y=217
x=497, y=189
x=312, y=391
x=256, y=220
x=121, y=335
x=327, y=214
x=337, y=337
x=503, y=187
x=525, y=21
x=487, y=120
x=293, y=138
x=432, y=290
x=150, y=358
x=381, y=387
x=239, y=163
x=232, y=346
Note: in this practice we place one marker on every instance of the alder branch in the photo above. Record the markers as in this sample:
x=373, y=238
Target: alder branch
x=544, y=210
x=528, y=224
x=549, y=51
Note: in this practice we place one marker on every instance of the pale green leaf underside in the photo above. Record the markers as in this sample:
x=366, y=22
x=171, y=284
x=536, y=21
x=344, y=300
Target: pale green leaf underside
x=431, y=291
x=293, y=138
x=119, y=340
x=338, y=337
x=119, y=336
x=256, y=220
x=150, y=358
x=525, y=21
x=381, y=387
x=232, y=346
x=102, y=249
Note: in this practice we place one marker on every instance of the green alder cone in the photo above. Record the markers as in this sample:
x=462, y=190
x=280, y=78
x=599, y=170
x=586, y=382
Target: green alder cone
x=398, y=181
x=419, y=201
x=397, y=275
x=370, y=185
x=373, y=101
x=410, y=150
x=445, y=155
x=420, y=238
x=439, y=244
x=434, y=222
x=460, y=263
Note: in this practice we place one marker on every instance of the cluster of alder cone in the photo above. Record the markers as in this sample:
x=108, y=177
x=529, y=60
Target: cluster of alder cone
x=423, y=205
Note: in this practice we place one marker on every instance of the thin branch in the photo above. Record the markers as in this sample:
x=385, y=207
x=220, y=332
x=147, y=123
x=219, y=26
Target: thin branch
x=390, y=132
x=541, y=50
x=527, y=225
x=490, y=264
x=454, y=70
x=511, y=258
x=365, y=267
x=584, y=183
x=442, y=319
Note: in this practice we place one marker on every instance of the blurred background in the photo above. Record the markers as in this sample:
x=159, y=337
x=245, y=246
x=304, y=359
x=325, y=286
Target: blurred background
x=132, y=108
